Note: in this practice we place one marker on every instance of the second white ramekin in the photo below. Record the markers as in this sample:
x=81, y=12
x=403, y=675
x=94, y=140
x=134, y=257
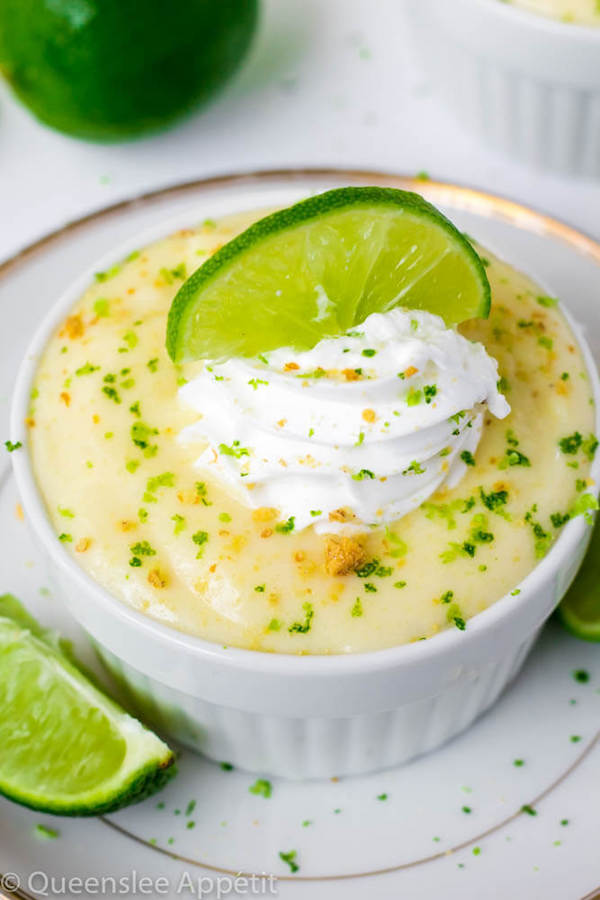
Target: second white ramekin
x=527, y=84
x=296, y=716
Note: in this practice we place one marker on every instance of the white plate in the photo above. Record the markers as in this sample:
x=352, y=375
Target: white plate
x=419, y=841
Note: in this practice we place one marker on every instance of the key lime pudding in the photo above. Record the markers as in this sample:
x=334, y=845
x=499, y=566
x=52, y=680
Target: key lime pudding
x=576, y=12
x=324, y=440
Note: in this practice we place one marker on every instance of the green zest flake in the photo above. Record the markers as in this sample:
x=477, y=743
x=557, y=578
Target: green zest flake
x=583, y=506
x=361, y=438
x=317, y=373
x=518, y=763
x=546, y=342
x=495, y=501
x=582, y=676
x=201, y=492
x=303, y=627
x=399, y=548
x=200, y=538
x=108, y=435
x=224, y=517
x=571, y=444
x=141, y=548
x=190, y=807
x=226, y=766
x=179, y=523
x=102, y=308
x=316, y=512
x=399, y=584
x=65, y=538
x=169, y=275
x=261, y=787
x=153, y=364
x=47, y=833
x=589, y=446
x=454, y=616
x=274, y=625
x=467, y=809
x=134, y=409
x=542, y=538
x=12, y=447
x=263, y=359
x=468, y=458
x=514, y=458
x=289, y=857
x=415, y=468
x=166, y=479
x=527, y=808
x=111, y=393
x=285, y=527
x=110, y=273
x=233, y=450
x=370, y=588
x=447, y=597
x=86, y=369
x=516, y=592
x=575, y=738
x=414, y=397
x=369, y=352
x=260, y=588
x=364, y=473
x=67, y=513
x=476, y=851
x=131, y=339
x=382, y=796
x=256, y=381
x=444, y=511
x=142, y=514
x=357, y=609
x=141, y=434
x=559, y=519
x=132, y=465
x=430, y=390
x=547, y=301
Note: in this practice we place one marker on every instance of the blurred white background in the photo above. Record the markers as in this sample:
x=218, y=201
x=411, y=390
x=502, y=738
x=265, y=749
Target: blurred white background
x=328, y=82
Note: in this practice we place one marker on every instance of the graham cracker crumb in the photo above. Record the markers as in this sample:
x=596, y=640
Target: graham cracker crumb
x=343, y=555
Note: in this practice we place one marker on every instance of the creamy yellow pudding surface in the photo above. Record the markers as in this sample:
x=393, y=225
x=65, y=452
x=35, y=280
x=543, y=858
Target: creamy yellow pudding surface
x=578, y=12
x=129, y=505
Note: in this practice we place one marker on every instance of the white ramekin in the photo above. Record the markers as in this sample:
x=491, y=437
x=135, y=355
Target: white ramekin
x=296, y=716
x=527, y=84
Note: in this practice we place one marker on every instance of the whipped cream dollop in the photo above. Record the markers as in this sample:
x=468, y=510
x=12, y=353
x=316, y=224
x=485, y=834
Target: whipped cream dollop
x=357, y=431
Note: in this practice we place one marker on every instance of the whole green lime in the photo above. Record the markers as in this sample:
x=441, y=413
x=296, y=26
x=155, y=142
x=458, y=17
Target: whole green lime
x=111, y=69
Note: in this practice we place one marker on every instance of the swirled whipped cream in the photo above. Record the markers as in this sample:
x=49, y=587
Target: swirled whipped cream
x=356, y=432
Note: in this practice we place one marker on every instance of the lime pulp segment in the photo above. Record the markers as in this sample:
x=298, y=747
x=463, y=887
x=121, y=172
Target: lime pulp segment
x=66, y=747
x=322, y=266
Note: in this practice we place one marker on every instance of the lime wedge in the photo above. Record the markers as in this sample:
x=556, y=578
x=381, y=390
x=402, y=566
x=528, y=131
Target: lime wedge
x=580, y=610
x=320, y=267
x=67, y=748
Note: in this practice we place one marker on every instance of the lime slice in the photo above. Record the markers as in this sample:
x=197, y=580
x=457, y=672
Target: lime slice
x=66, y=747
x=320, y=267
x=580, y=609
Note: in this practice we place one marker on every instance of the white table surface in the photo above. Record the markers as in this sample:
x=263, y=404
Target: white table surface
x=327, y=83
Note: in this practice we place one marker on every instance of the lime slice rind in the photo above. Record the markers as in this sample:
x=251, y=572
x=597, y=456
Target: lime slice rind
x=68, y=749
x=321, y=267
x=579, y=611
